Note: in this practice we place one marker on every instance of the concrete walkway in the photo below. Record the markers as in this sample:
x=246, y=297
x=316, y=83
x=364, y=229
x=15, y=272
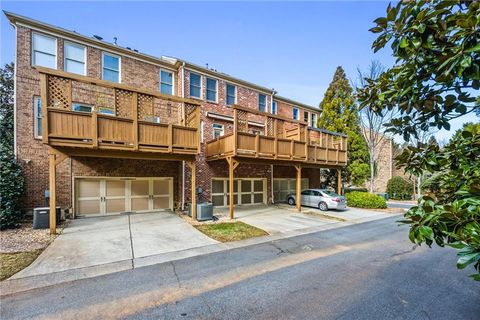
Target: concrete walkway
x=101, y=240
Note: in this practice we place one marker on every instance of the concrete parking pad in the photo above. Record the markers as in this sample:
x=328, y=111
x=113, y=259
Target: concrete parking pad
x=275, y=219
x=100, y=240
x=155, y=233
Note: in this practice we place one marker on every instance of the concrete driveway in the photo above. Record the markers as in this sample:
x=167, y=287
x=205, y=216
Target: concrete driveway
x=284, y=218
x=100, y=240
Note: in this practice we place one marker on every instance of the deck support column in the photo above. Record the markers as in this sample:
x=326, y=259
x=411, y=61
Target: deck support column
x=191, y=165
x=232, y=165
x=339, y=181
x=54, y=158
x=52, y=178
x=298, y=187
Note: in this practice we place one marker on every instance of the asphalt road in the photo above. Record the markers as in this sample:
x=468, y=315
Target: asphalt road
x=365, y=271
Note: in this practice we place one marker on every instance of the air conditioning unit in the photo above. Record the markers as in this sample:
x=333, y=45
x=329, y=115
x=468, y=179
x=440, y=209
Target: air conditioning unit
x=204, y=211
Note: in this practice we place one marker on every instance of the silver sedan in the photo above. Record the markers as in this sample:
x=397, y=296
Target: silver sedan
x=319, y=198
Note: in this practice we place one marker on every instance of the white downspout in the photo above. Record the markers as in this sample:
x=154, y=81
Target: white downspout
x=271, y=182
x=183, y=162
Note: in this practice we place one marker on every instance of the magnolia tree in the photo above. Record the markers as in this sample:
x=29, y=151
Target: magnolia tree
x=435, y=79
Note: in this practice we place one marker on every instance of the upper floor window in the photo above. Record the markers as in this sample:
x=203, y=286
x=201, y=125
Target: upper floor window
x=274, y=107
x=81, y=107
x=306, y=117
x=295, y=113
x=44, y=51
x=110, y=67
x=37, y=110
x=166, y=82
x=262, y=102
x=75, y=57
x=231, y=94
x=314, y=120
x=218, y=130
x=195, y=85
x=212, y=90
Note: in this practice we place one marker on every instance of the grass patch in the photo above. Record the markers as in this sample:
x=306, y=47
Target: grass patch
x=230, y=231
x=11, y=263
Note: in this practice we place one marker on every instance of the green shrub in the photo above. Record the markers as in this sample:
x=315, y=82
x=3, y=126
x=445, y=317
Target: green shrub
x=365, y=200
x=351, y=189
x=400, y=189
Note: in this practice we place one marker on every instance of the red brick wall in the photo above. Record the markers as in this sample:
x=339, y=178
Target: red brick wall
x=33, y=154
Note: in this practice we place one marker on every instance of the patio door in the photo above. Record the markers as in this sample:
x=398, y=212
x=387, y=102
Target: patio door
x=103, y=196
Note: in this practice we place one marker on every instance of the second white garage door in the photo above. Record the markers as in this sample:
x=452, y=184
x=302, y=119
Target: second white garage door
x=104, y=196
x=282, y=187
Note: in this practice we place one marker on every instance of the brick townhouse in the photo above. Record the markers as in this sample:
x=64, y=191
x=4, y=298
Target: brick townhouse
x=103, y=129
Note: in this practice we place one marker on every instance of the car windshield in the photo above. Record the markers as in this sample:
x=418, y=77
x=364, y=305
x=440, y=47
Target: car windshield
x=330, y=193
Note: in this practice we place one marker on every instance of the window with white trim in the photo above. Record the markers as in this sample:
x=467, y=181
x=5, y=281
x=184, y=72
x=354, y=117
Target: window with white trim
x=231, y=94
x=74, y=58
x=262, y=102
x=37, y=110
x=195, y=85
x=212, y=85
x=314, y=120
x=82, y=107
x=295, y=114
x=274, y=107
x=44, y=51
x=110, y=67
x=166, y=82
x=306, y=117
x=218, y=130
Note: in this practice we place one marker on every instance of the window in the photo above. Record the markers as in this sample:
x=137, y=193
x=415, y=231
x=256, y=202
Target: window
x=218, y=130
x=314, y=120
x=274, y=107
x=37, y=110
x=110, y=67
x=262, y=102
x=306, y=116
x=166, y=82
x=74, y=58
x=295, y=113
x=195, y=85
x=44, y=51
x=80, y=107
x=212, y=90
x=231, y=95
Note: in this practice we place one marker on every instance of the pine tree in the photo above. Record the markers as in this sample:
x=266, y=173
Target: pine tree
x=340, y=114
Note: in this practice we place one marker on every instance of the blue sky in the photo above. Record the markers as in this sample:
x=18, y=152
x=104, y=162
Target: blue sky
x=292, y=47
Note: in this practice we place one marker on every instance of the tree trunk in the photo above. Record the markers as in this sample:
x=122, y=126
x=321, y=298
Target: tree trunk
x=372, y=171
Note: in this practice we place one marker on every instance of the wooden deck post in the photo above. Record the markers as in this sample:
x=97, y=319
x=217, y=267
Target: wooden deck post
x=232, y=165
x=52, y=178
x=339, y=181
x=191, y=165
x=298, y=187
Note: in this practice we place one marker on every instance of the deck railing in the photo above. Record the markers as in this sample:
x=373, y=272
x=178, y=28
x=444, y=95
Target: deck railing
x=86, y=112
x=281, y=139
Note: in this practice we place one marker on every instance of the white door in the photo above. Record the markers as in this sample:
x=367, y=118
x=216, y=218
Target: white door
x=104, y=196
x=246, y=191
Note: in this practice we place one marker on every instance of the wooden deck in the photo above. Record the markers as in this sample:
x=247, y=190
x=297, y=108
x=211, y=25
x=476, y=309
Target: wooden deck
x=115, y=116
x=282, y=140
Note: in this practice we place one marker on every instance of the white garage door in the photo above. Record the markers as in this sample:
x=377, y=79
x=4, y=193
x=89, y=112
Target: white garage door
x=284, y=186
x=104, y=196
x=245, y=191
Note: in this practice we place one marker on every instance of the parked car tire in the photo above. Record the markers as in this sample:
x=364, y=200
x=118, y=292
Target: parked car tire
x=291, y=201
x=322, y=206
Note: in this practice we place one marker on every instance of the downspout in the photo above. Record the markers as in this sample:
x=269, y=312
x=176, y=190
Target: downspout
x=271, y=166
x=15, y=93
x=183, y=162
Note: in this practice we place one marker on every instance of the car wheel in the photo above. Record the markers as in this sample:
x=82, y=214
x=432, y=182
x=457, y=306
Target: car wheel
x=291, y=201
x=322, y=206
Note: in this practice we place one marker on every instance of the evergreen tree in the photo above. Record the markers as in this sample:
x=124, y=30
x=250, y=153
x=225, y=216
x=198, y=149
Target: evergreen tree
x=340, y=114
x=11, y=178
